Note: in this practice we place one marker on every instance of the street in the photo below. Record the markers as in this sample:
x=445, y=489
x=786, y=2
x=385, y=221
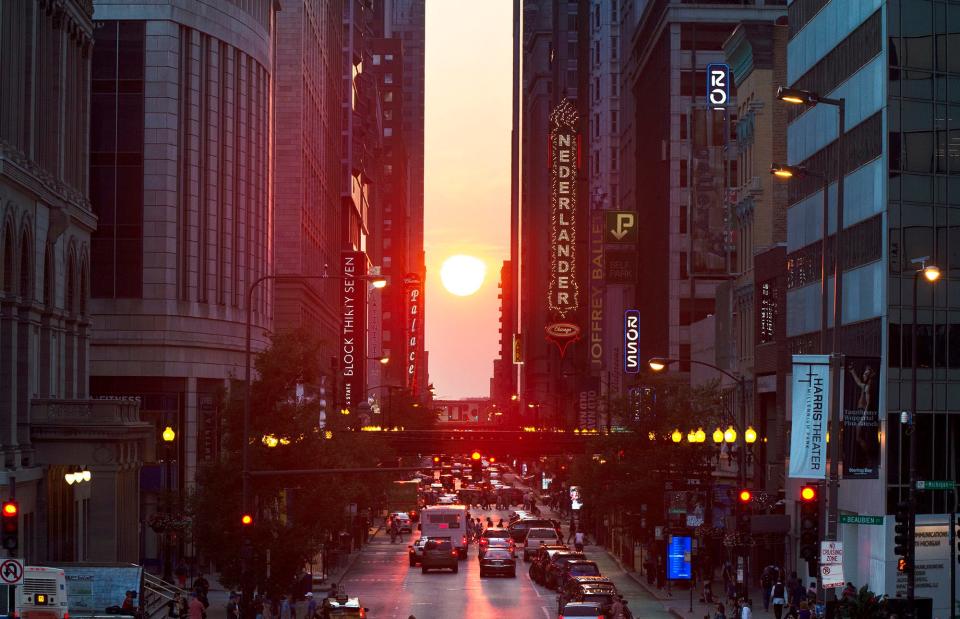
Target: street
x=385, y=583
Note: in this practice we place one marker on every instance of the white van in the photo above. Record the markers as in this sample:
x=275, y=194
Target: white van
x=446, y=521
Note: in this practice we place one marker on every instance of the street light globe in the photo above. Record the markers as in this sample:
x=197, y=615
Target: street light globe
x=169, y=435
x=379, y=282
x=931, y=272
x=782, y=172
x=384, y=360
x=656, y=364
x=718, y=436
x=651, y=436
x=730, y=435
x=270, y=440
x=676, y=437
x=750, y=436
x=86, y=475
x=701, y=435
x=69, y=478
x=691, y=437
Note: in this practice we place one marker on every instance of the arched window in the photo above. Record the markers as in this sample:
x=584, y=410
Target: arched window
x=70, y=304
x=8, y=260
x=26, y=268
x=48, y=276
x=84, y=292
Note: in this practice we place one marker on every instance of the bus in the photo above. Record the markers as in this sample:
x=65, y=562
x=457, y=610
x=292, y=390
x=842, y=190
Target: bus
x=42, y=594
x=446, y=521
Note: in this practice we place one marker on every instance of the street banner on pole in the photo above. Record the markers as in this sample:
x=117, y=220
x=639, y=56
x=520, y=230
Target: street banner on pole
x=811, y=394
x=861, y=418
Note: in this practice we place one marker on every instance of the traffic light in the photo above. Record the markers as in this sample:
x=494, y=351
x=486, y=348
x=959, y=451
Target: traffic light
x=744, y=499
x=246, y=520
x=902, y=539
x=11, y=526
x=809, y=523
x=476, y=466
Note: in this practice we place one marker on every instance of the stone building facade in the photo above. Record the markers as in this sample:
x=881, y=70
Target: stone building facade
x=49, y=426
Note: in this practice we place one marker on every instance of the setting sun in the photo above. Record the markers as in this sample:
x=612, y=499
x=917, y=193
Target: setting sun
x=462, y=275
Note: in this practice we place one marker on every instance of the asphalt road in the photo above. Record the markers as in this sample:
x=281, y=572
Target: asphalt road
x=385, y=583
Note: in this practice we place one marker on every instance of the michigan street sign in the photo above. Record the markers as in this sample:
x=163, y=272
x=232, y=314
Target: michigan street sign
x=937, y=484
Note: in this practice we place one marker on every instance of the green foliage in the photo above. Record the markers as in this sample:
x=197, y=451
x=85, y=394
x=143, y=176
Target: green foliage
x=865, y=605
x=294, y=515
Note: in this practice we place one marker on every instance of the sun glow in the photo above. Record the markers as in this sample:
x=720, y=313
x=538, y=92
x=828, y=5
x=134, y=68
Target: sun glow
x=462, y=275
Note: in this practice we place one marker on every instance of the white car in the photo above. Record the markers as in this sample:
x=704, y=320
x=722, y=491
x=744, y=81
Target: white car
x=536, y=536
x=404, y=524
x=415, y=550
x=447, y=499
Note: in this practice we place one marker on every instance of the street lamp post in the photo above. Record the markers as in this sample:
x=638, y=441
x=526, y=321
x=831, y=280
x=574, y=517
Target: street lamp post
x=807, y=98
x=168, y=436
x=931, y=273
x=246, y=550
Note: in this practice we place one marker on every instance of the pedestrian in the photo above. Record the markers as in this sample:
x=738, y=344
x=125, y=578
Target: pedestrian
x=394, y=530
x=849, y=592
x=181, y=574
x=616, y=608
x=812, y=593
x=258, y=606
x=578, y=540
x=745, y=612
x=311, y=606
x=778, y=593
x=707, y=592
x=173, y=606
x=573, y=530
x=720, y=612
x=233, y=611
x=804, y=612
x=286, y=611
x=196, y=610
x=767, y=580
x=727, y=574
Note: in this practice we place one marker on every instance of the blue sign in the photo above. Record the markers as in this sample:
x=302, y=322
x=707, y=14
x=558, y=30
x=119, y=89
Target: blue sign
x=718, y=85
x=631, y=341
x=679, y=558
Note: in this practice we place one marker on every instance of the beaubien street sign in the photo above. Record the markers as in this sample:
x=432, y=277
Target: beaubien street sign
x=937, y=484
x=850, y=519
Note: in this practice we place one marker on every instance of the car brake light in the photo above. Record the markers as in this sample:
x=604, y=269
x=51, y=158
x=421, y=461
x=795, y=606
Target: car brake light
x=453, y=552
x=463, y=540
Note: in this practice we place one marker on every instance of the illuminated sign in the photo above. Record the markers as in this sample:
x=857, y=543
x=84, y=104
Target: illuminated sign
x=631, y=341
x=353, y=328
x=517, y=349
x=414, y=292
x=621, y=227
x=718, y=85
x=563, y=289
x=679, y=557
x=597, y=289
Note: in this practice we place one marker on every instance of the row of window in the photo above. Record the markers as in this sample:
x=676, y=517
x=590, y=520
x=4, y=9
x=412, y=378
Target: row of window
x=861, y=244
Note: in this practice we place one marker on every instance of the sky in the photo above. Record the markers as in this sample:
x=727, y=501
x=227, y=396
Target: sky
x=466, y=183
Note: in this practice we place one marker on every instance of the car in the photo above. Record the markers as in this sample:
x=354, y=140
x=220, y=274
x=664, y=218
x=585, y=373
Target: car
x=498, y=561
x=580, y=609
x=536, y=537
x=342, y=606
x=404, y=523
x=551, y=572
x=439, y=554
x=496, y=538
x=540, y=559
x=518, y=529
x=415, y=550
x=596, y=589
x=570, y=569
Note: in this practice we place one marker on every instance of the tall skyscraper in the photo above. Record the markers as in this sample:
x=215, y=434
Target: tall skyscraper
x=180, y=180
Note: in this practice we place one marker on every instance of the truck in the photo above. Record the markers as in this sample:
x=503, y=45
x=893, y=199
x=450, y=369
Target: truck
x=404, y=496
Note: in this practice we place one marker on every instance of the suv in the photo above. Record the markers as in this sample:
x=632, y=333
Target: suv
x=595, y=589
x=342, y=606
x=540, y=559
x=518, y=529
x=536, y=537
x=551, y=572
x=496, y=538
x=571, y=569
x=439, y=554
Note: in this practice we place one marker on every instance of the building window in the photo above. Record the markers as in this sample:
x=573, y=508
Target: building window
x=613, y=122
x=388, y=78
x=376, y=59
x=388, y=96
x=388, y=58
x=613, y=159
x=388, y=132
x=388, y=114
x=614, y=47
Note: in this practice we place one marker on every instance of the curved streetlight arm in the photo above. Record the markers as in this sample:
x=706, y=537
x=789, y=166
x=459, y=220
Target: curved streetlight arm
x=737, y=379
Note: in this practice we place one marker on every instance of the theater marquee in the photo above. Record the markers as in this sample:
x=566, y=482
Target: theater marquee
x=563, y=291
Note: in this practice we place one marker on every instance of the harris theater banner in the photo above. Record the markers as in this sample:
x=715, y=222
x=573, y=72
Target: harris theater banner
x=861, y=418
x=811, y=403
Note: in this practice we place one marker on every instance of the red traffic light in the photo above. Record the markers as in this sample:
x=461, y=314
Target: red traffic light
x=436, y=458
x=808, y=493
x=492, y=459
x=475, y=455
x=10, y=509
x=246, y=520
x=745, y=496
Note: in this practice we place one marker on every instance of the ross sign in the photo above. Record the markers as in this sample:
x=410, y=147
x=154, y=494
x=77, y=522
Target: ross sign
x=861, y=418
x=353, y=330
x=849, y=519
x=808, y=438
x=597, y=291
x=718, y=85
x=563, y=288
x=413, y=289
x=679, y=557
x=620, y=267
x=631, y=341
x=621, y=227
x=935, y=485
x=11, y=572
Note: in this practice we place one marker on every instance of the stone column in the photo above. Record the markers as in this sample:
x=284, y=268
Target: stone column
x=107, y=512
x=189, y=450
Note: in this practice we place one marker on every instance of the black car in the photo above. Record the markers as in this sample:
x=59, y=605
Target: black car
x=518, y=529
x=498, y=561
x=571, y=569
x=595, y=589
x=551, y=572
x=540, y=559
x=439, y=554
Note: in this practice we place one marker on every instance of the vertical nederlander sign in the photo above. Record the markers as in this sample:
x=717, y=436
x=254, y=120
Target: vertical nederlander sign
x=563, y=291
x=353, y=329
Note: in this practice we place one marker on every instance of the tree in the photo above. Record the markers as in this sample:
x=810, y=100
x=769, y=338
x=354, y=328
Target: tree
x=294, y=515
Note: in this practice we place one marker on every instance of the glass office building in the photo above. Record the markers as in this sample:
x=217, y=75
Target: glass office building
x=897, y=65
